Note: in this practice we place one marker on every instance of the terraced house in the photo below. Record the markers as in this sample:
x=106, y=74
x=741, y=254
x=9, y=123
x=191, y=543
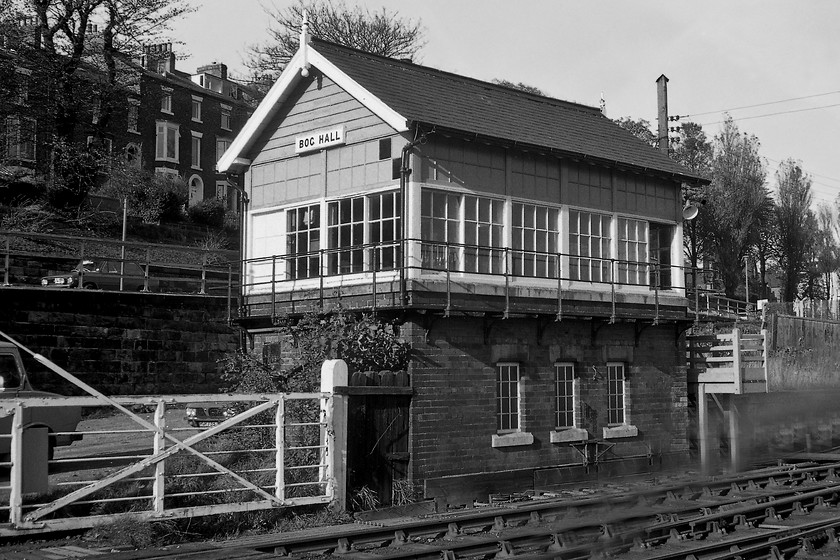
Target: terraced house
x=529, y=249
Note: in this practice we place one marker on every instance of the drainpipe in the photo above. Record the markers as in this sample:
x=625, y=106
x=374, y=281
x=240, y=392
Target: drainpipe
x=243, y=222
x=405, y=172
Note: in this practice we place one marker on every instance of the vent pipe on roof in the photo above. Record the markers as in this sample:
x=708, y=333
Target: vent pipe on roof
x=662, y=113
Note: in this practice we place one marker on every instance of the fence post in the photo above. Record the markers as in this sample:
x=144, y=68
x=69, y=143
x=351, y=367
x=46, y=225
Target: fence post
x=203, y=274
x=334, y=432
x=16, y=475
x=280, y=454
x=146, y=271
x=158, y=490
x=736, y=361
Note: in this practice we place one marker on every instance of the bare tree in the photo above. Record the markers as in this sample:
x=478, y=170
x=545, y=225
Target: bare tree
x=382, y=32
x=796, y=226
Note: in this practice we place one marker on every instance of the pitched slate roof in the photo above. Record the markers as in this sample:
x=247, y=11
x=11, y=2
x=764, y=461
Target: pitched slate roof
x=433, y=97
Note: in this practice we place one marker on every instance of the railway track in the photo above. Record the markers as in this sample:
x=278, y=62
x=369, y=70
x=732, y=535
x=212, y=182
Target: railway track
x=766, y=513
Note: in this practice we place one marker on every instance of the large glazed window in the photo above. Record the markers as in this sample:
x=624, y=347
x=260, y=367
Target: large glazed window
x=345, y=233
x=589, y=246
x=303, y=240
x=535, y=236
x=484, y=235
x=441, y=225
x=632, y=251
x=166, y=144
x=385, y=230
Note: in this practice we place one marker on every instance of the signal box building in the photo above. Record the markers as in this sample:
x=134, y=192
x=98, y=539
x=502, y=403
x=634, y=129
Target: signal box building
x=529, y=249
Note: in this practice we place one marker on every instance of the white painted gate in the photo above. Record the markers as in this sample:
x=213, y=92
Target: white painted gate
x=277, y=450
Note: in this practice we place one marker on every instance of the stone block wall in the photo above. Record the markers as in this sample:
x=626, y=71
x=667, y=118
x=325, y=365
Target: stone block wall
x=121, y=343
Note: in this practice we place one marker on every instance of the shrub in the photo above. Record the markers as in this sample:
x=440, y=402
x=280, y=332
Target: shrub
x=30, y=217
x=152, y=197
x=208, y=212
x=76, y=170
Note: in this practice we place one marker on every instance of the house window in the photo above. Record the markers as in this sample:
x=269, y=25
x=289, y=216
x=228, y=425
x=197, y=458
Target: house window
x=24, y=77
x=345, y=234
x=589, y=245
x=564, y=395
x=507, y=397
x=483, y=235
x=20, y=138
x=615, y=394
x=195, y=152
x=535, y=237
x=303, y=240
x=166, y=142
x=222, y=144
x=196, y=108
x=166, y=100
x=384, y=230
x=440, y=230
x=225, y=123
x=632, y=251
x=385, y=148
x=133, y=116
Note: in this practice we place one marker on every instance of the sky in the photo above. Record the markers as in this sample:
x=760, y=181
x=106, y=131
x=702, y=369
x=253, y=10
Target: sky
x=773, y=65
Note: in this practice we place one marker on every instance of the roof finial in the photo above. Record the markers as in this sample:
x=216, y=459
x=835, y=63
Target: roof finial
x=603, y=105
x=304, y=42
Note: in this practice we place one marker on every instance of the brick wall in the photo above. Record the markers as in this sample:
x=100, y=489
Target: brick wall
x=122, y=343
x=454, y=407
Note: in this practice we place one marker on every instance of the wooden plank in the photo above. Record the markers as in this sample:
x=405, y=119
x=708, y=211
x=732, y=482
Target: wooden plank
x=712, y=376
x=374, y=390
x=721, y=388
x=754, y=388
x=754, y=374
x=720, y=359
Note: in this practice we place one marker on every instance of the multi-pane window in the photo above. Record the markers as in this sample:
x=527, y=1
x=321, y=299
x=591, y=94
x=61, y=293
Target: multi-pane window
x=507, y=397
x=483, y=235
x=222, y=144
x=535, y=238
x=196, y=150
x=564, y=395
x=440, y=217
x=196, y=108
x=661, y=238
x=589, y=246
x=632, y=251
x=133, y=116
x=166, y=100
x=345, y=234
x=384, y=230
x=225, y=112
x=303, y=240
x=615, y=393
x=20, y=138
x=166, y=142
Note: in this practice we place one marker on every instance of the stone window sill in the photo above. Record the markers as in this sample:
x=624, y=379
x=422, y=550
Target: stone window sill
x=513, y=439
x=625, y=431
x=569, y=434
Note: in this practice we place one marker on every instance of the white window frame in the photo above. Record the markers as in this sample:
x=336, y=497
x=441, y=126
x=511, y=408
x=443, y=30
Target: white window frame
x=567, y=432
x=162, y=141
x=222, y=143
x=615, y=428
x=590, y=252
x=225, y=116
x=506, y=435
x=196, y=108
x=195, y=149
x=483, y=226
x=305, y=260
x=633, y=238
x=166, y=100
x=535, y=243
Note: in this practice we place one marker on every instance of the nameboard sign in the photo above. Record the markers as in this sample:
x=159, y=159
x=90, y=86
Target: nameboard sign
x=319, y=140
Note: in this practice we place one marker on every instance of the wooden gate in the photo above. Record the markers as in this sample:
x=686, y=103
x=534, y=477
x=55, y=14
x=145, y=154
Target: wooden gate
x=377, y=450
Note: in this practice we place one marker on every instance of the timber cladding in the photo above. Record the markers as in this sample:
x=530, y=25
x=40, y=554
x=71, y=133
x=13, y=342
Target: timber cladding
x=454, y=408
x=122, y=343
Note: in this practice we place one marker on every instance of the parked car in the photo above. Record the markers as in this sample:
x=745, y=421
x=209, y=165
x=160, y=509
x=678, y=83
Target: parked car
x=208, y=414
x=102, y=275
x=14, y=384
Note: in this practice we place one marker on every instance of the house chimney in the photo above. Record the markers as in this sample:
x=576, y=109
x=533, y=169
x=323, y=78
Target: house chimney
x=214, y=69
x=662, y=113
x=159, y=58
